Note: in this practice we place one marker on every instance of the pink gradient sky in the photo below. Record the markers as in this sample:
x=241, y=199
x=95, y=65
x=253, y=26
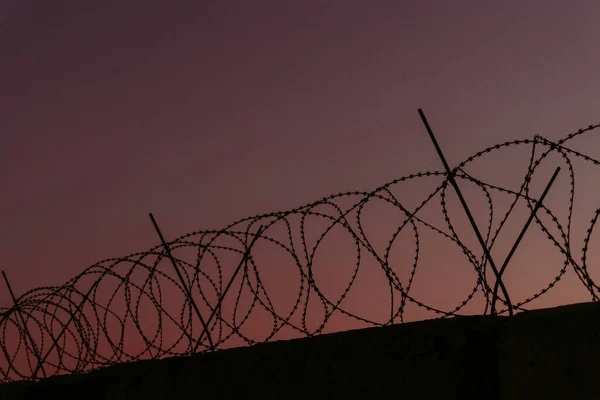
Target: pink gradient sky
x=206, y=112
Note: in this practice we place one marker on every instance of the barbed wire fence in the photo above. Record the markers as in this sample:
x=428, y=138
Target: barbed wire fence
x=89, y=322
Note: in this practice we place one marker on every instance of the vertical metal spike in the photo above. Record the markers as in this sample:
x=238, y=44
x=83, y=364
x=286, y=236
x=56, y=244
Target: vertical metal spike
x=469, y=215
x=188, y=293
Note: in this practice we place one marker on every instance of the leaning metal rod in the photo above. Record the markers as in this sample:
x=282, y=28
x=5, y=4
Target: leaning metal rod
x=188, y=292
x=514, y=248
x=55, y=342
x=3, y=316
x=244, y=257
x=468, y=212
x=10, y=365
x=18, y=308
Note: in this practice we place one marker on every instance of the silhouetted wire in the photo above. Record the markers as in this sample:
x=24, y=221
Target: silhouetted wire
x=85, y=324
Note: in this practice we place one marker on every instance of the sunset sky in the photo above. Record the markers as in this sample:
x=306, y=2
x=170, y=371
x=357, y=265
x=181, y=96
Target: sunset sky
x=205, y=112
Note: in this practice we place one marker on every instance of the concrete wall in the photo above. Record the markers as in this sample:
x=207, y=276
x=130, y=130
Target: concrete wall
x=545, y=354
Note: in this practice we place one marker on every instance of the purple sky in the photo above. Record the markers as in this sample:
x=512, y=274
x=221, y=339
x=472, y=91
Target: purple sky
x=206, y=112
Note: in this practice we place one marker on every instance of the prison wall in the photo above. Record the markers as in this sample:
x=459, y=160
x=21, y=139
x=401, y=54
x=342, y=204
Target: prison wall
x=550, y=354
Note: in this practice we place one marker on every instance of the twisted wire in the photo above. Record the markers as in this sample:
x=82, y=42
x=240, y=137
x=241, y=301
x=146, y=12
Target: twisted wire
x=132, y=308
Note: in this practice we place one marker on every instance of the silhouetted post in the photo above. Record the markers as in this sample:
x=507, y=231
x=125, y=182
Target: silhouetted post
x=12, y=295
x=514, y=248
x=55, y=342
x=187, y=291
x=242, y=261
x=468, y=212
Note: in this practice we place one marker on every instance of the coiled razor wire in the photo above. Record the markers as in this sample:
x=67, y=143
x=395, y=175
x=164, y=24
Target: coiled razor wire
x=89, y=322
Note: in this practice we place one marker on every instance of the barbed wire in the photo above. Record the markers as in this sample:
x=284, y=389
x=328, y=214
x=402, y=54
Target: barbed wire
x=88, y=322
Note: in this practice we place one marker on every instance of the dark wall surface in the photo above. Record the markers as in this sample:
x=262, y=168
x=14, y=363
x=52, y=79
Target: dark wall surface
x=552, y=353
